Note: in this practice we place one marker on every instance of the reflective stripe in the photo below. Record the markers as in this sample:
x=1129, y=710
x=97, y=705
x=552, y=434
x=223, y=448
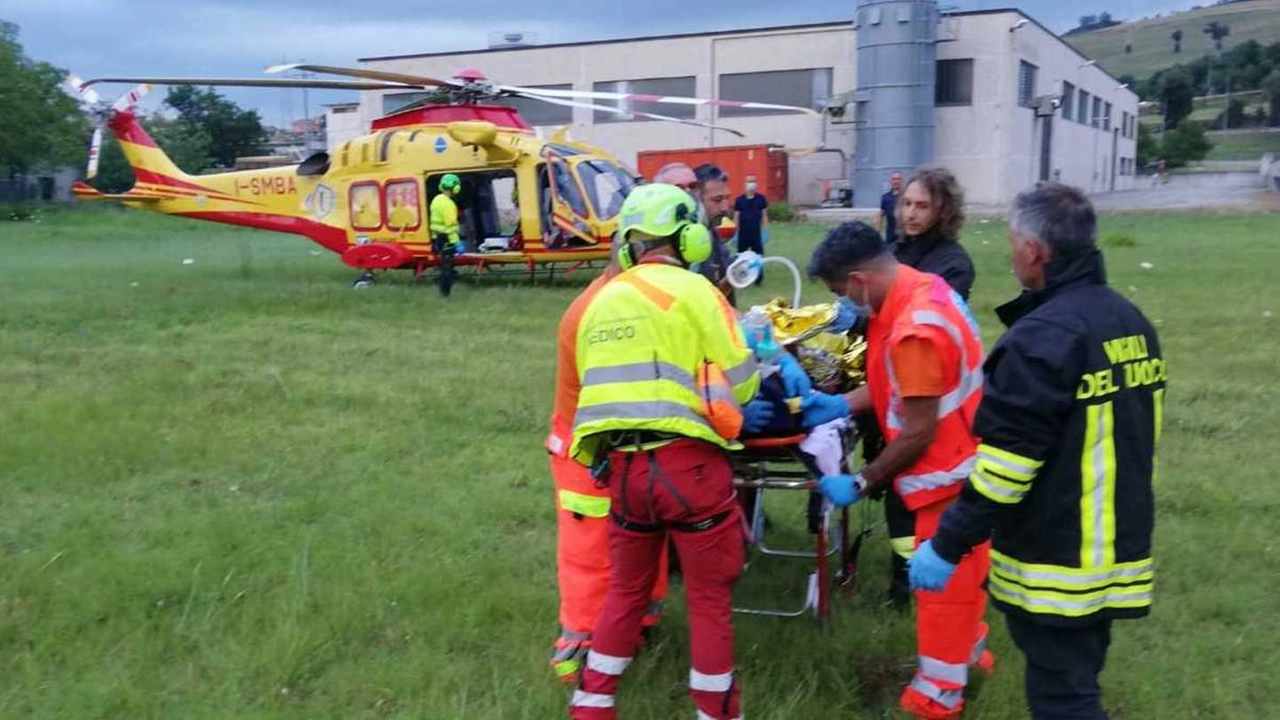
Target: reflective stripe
x=566, y=667
x=607, y=664
x=908, y=484
x=970, y=380
x=903, y=547
x=593, y=506
x=596, y=700
x=741, y=372
x=710, y=683
x=935, y=669
x=1097, y=496
x=949, y=699
x=979, y=647
x=703, y=716
x=569, y=636
x=1157, y=409
x=1010, y=465
x=996, y=487
x=663, y=299
x=638, y=410
x=1071, y=605
x=639, y=372
x=1010, y=570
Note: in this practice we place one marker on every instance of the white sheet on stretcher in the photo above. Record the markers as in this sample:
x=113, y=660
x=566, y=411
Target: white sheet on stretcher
x=826, y=445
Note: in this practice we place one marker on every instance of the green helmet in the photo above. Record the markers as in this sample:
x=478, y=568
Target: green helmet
x=656, y=210
x=450, y=182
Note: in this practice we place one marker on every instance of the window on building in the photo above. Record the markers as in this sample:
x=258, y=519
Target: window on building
x=1097, y=111
x=804, y=88
x=538, y=113
x=1068, y=101
x=1106, y=116
x=1082, y=108
x=1124, y=123
x=955, y=83
x=683, y=86
x=1026, y=83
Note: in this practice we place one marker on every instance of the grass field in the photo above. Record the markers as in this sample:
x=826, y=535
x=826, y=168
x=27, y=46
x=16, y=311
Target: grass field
x=1153, y=49
x=238, y=489
x=1244, y=145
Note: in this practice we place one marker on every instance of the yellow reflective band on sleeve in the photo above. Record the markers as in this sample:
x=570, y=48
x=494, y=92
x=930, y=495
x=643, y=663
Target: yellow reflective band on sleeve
x=1157, y=408
x=998, y=489
x=566, y=668
x=903, y=547
x=1067, y=579
x=1009, y=464
x=593, y=506
x=1049, y=602
x=1098, y=491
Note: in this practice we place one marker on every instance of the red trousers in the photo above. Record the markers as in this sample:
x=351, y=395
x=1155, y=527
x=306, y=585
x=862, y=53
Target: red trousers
x=582, y=563
x=950, y=633
x=686, y=492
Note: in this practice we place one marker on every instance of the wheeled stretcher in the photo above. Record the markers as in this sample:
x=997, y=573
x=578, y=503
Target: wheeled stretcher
x=773, y=464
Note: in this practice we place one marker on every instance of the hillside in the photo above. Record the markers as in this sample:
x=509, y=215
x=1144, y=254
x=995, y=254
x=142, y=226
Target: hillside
x=1153, y=49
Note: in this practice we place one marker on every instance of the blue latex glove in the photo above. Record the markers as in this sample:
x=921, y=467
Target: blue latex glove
x=842, y=490
x=846, y=315
x=821, y=408
x=459, y=247
x=756, y=416
x=764, y=236
x=794, y=379
x=927, y=570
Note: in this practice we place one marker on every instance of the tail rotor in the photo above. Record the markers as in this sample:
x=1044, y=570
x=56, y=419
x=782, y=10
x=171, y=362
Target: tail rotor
x=101, y=112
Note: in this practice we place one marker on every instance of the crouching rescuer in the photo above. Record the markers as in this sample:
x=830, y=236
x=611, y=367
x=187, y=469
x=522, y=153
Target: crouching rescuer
x=667, y=385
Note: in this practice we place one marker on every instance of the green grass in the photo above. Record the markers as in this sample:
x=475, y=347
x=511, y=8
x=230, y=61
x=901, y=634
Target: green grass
x=1153, y=49
x=1243, y=145
x=239, y=489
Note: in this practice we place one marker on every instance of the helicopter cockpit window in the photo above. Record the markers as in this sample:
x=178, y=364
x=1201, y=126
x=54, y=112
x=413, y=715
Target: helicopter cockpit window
x=607, y=186
x=404, y=209
x=567, y=189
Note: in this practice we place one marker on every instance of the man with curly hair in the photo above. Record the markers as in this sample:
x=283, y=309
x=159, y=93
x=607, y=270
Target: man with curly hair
x=931, y=215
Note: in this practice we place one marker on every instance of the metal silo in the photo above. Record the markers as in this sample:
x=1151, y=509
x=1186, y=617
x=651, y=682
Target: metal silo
x=897, y=64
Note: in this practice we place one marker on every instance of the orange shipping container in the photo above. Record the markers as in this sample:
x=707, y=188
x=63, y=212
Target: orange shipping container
x=769, y=165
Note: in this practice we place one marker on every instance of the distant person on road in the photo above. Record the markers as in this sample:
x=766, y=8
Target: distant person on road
x=887, y=223
x=751, y=216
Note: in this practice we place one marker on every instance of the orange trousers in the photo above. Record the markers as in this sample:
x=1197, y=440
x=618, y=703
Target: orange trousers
x=950, y=633
x=582, y=550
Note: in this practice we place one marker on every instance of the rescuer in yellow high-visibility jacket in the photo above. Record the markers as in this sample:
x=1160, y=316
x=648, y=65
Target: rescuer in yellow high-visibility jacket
x=445, y=240
x=665, y=374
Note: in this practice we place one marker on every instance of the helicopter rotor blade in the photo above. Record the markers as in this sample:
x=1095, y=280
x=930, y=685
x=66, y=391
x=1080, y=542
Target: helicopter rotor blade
x=95, y=151
x=658, y=99
x=256, y=82
x=366, y=74
x=131, y=98
x=85, y=93
x=635, y=113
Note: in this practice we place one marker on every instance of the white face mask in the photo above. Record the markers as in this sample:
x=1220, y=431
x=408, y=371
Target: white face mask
x=751, y=187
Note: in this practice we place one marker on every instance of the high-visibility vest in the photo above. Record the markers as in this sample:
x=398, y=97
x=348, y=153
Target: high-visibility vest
x=922, y=305
x=660, y=351
x=568, y=386
x=444, y=217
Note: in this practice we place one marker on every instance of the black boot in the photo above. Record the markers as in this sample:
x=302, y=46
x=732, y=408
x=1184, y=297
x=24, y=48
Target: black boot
x=899, y=585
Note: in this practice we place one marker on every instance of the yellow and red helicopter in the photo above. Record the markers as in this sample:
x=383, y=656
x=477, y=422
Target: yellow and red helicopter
x=526, y=203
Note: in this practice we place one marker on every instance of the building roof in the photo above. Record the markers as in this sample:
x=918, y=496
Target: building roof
x=715, y=33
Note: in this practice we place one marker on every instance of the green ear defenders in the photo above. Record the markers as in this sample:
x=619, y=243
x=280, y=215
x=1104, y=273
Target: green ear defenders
x=662, y=211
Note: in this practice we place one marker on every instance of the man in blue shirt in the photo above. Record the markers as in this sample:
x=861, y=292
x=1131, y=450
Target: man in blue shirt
x=887, y=223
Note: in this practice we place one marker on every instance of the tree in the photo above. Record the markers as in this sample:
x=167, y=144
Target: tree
x=1185, y=143
x=42, y=127
x=1271, y=89
x=187, y=147
x=1147, y=146
x=1177, y=41
x=232, y=132
x=1235, y=113
x=1178, y=94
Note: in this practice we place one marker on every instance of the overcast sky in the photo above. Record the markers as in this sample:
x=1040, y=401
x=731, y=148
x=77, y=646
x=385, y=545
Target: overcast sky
x=241, y=37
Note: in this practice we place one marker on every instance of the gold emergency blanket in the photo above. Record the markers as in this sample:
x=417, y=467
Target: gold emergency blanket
x=835, y=361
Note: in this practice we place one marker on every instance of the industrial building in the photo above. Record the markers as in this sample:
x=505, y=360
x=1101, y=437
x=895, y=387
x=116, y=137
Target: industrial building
x=993, y=95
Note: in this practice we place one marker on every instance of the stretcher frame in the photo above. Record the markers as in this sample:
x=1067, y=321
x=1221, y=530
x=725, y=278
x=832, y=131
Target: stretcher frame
x=778, y=464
